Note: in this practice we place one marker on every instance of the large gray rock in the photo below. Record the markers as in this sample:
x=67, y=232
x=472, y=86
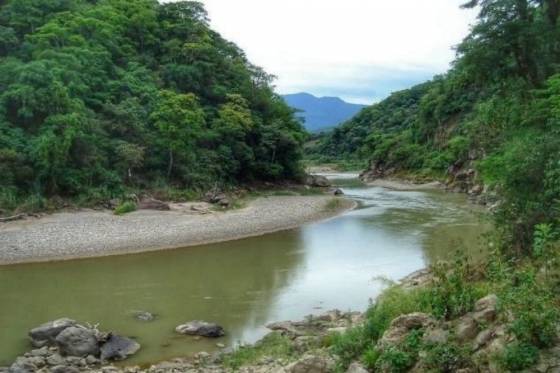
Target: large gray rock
x=485, y=309
x=46, y=333
x=317, y=181
x=78, y=341
x=118, y=348
x=201, y=328
x=466, y=328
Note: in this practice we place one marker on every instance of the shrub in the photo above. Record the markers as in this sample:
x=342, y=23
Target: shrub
x=273, y=344
x=518, y=356
x=125, y=208
x=446, y=357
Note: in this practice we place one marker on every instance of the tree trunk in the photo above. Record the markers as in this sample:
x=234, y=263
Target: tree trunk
x=170, y=166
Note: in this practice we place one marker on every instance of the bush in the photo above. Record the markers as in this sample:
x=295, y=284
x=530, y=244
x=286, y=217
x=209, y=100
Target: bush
x=273, y=344
x=125, y=208
x=519, y=356
x=446, y=358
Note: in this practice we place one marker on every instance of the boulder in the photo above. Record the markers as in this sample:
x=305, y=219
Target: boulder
x=483, y=338
x=436, y=336
x=46, y=333
x=22, y=365
x=402, y=325
x=118, y=348
x=466, y=328
x=287, y=328
x=356, y=367
x=312, y=364
x=153, y=204
x=485, y=309
x=317, y=181
x=338, y=192
x=78, y=341
x=201, y=328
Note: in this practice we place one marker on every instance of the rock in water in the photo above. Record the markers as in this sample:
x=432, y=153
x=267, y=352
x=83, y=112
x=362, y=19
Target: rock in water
x=144, y=316
x=201, y=328
x=46, y=333
x=118, y=348
x=78, y=341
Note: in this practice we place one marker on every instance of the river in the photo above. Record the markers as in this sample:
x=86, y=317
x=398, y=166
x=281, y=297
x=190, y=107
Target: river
x=247, y=283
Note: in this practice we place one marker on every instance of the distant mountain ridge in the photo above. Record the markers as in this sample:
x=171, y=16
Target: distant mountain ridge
x=321, y=113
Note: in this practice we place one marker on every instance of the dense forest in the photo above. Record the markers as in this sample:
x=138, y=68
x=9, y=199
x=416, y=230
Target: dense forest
x=100, y=96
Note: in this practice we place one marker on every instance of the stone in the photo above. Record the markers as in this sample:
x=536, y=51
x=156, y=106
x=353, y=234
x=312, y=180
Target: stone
x=201, y=328
x=286, y=327
x=356, y=367
x=92, y=360
x=399, y=327
x=64, y=369
x=22, y=365
x=144, y=316
x=338, y=192
x=483, y=338
x=306, y=342
x=75, y=361
x=55, y=359
x=436, y=336
x=485, y=309
x=153, y=204
x=312, y=364
x=118, y=348
x=77, y=341
x=317, y=181
x=466, y=328
x=44, y=351
x=45, y=334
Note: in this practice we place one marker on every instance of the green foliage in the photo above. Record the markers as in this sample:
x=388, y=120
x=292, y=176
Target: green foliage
x=448, y=357
x=519, y=356
x=453, y=293
x=125, y=208
x=273, y=344
x=103, y=95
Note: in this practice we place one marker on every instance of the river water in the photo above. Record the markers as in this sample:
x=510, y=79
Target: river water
x=247, y=283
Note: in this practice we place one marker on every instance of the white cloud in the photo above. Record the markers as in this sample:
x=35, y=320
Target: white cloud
x=358, y=49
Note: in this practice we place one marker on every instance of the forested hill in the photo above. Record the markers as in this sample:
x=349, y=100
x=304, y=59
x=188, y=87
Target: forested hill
x=97, y=96
x=492, y=122
x=321, y=113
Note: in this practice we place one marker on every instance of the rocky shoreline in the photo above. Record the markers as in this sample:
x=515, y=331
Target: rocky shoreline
x=67, y=347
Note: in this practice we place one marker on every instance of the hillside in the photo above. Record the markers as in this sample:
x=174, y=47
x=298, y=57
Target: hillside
x=321, y=113
x=490, y=123
x=98, y=98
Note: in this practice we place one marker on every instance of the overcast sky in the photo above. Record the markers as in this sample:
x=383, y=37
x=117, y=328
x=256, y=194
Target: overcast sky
x=360, y=50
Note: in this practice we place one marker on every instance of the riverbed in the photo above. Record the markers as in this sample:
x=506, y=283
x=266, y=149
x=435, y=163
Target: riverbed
x=244, y=284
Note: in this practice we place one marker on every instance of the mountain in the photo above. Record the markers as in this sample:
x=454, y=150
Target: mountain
x=321, y=113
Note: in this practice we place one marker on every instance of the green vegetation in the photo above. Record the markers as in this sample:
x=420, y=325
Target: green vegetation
x=98, y=97
x=273, y=344
x=125, y=208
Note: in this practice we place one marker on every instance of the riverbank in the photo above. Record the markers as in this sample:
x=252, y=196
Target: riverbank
x=91, y=233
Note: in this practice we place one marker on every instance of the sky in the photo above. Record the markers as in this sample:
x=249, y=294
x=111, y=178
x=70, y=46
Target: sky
x=359, y=50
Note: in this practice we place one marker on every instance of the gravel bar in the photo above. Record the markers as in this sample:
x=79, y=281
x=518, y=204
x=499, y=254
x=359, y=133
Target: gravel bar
x=72, y=235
